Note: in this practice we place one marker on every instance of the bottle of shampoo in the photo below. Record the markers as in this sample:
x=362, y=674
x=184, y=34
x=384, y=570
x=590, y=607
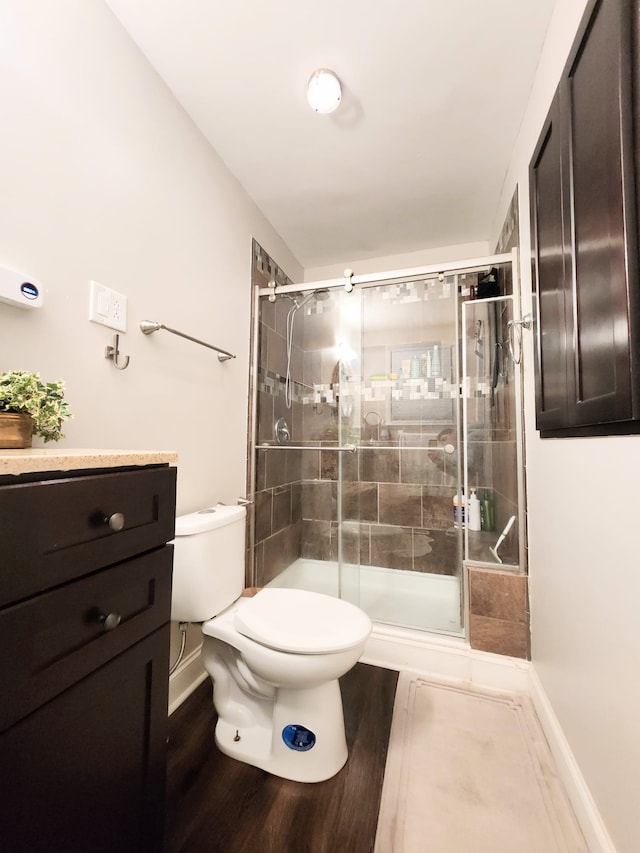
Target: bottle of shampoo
x=474, y=511
x=458, y=510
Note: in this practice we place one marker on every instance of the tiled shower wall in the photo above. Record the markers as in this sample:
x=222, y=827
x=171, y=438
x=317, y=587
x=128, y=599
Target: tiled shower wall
x=397, y=501
x=397, y=510
x=277, y=499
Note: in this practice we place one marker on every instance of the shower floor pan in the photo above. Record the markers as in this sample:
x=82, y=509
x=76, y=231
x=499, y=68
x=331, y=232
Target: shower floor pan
x=405, y=599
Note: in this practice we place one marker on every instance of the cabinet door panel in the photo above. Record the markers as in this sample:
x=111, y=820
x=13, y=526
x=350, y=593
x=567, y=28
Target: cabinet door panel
x=596, y=92
x=549, y=274
x=85, y=772
x=584, y=234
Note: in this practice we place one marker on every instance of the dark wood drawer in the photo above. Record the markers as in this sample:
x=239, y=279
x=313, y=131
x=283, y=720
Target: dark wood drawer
x=57, y=530
x=52, y=641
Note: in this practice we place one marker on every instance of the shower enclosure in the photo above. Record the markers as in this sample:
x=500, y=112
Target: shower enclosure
x=381, y=407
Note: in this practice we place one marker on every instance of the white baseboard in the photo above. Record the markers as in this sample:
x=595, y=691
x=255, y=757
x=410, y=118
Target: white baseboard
x=591, y=824
x=185, y=679
x=444, y=658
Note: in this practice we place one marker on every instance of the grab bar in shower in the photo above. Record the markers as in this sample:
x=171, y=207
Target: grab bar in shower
x=346, y=448
x=148, y=327
x=403, y=447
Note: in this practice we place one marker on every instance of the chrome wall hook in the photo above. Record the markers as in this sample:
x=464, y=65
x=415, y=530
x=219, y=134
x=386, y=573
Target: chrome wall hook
x=525, y=323
x=112, y=352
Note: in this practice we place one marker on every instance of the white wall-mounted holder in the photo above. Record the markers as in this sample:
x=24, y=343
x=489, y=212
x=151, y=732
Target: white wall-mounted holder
x=107, y=307
x=113, y=352
x=19, y=290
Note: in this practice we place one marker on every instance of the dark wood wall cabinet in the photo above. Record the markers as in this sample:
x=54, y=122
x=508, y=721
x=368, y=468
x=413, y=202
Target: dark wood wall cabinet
x=584, y=218
x=85, y=600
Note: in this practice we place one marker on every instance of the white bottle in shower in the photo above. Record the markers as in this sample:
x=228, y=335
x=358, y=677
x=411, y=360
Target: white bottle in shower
x=473, y=511
x=435, y=361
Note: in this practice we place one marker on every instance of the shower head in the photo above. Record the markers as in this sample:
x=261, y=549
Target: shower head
x=304, y=301
x=318, y=295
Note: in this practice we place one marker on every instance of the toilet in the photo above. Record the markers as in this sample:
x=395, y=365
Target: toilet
x=274, y=658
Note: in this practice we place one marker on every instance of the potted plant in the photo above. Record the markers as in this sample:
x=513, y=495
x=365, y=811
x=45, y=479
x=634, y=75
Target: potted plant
x=29, y=406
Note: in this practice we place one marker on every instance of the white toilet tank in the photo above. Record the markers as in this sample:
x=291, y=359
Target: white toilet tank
x=208, y=562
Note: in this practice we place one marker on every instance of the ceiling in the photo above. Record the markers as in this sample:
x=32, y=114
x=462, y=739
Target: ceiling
x=415, y=156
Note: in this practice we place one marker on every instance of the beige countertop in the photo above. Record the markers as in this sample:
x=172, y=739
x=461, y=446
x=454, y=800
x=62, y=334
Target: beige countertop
x=41, y=459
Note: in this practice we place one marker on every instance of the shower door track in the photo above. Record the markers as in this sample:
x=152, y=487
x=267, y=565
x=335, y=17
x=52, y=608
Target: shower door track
x=392, y=276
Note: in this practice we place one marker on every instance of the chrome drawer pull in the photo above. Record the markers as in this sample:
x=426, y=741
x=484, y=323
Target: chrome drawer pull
x=115, y=522
x=109, y=621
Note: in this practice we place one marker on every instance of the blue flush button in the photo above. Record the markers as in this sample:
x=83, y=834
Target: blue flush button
x=29, y=290
x=298, y=737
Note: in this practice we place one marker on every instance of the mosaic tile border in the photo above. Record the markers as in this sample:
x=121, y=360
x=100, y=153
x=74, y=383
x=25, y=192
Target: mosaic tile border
x=272, y=383
x=434, y=388
x=423, y=290
x=267, y=266
x=508, y=238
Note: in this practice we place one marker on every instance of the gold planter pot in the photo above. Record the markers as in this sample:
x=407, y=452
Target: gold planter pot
x=16, y=431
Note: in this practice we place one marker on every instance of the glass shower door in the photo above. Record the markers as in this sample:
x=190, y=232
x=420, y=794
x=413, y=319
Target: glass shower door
x=493, y=439
x=410, y=459
x=348, y=354
x=308, y=409
x=362, y=495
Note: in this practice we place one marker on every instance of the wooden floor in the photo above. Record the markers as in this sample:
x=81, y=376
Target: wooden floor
x=218, y=805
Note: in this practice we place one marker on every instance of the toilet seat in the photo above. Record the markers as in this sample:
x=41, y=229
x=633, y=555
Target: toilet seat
x=294, y=620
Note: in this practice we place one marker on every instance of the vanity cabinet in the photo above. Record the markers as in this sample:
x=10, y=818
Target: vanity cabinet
x=85, y=600
x=584, y=235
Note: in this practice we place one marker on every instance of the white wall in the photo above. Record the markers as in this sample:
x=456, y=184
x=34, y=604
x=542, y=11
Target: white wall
x=583, y=546
x=105, y=177
x=407, y=260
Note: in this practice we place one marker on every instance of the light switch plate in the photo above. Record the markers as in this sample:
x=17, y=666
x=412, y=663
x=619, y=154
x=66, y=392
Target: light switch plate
x=107, y=307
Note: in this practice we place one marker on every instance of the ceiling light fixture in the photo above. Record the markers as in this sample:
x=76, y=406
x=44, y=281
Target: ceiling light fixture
x=324, y=91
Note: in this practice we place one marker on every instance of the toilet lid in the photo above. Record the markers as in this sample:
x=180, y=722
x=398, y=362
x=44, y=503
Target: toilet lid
x=293, y=620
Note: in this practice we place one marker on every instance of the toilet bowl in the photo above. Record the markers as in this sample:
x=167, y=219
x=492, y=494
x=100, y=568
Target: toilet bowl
x=274, y=658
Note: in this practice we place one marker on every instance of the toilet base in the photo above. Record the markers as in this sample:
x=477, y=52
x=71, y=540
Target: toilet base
x=317, y=709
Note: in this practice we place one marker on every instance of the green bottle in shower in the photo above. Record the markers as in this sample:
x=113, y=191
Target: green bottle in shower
x=487, y=511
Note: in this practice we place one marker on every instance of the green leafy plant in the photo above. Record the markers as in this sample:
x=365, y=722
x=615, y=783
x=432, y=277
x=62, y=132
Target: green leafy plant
x=23, y=393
